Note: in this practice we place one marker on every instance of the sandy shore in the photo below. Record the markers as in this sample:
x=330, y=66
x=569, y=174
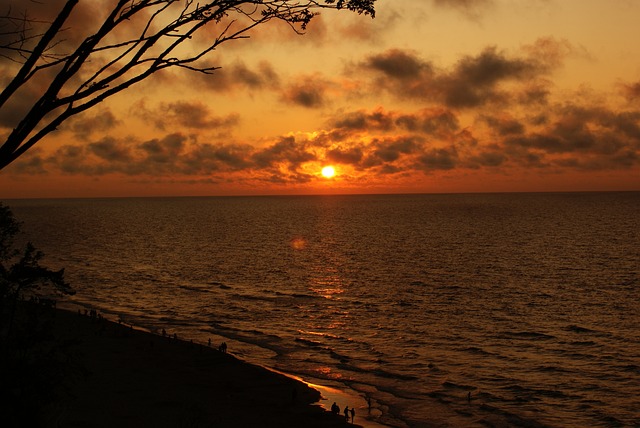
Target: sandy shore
x=124, y=377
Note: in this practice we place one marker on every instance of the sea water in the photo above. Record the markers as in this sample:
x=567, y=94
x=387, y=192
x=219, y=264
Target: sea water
x=528, y=304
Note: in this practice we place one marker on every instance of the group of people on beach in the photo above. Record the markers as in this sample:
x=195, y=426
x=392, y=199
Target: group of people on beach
x=348, y=412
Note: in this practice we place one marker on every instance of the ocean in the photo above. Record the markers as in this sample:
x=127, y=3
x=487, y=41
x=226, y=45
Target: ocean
x=529, y=304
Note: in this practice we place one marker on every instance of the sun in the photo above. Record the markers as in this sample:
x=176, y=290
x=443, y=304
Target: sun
x=328, y=171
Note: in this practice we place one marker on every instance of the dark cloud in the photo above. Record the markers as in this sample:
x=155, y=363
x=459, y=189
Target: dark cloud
x=461, y=3
x=309, y=93
x=579, y=137
x=474, y=81
x=490, y=67
x=240, y=77
x=387, y=152
x=398, y=64
x=348, y=156
x=84, y=20
x=111, y=150
x=285, y=150
x=438, y=159
x=431, y=121
x=377, y=120
x=186, y=114
x=533, y=93
x=164, y=150
x=32, y=162
x=71, y=160
x=489, y=156
x=631, y=91
x=84, y=125
x=207, y=158
x=504, y=125
x=471, y=9
x=550, y=52
x=390, y=151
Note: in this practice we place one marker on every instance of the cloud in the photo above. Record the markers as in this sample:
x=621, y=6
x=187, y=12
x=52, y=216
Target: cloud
x=377, y=120
x=208, y=158
x=84, y=19
x=631, y=91
x=438, y=159
x=163, y=151
x=309, y=92
x=111, y=150
x=238, y=76
x=391, y=150
x=372, y=144
x=470, y=8
x=346, y=156
x=430, y=121
x=472, y=82
x=186, y=114
x=398, y=64
x=285, y=150
x=84, y=125
x=504, y=125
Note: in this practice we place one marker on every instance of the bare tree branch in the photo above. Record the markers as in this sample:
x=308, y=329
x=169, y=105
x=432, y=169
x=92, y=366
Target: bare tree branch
x=116, y=56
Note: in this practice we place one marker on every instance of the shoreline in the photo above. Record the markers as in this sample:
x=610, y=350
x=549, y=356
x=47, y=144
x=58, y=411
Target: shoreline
x=132, y=377
x=341, y=394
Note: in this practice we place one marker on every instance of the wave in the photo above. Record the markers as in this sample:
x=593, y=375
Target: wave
x=195, y=288
x=577, y=329
x=529, y=335
x=452, y=385
x=583, y=343
x=511, y=418
x=533, y=394
x=550, y=369
x=311, y=343
x=377, y=372
x=478, y=351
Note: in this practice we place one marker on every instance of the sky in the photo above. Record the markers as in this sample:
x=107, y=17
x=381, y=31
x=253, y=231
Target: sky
x=430, y=96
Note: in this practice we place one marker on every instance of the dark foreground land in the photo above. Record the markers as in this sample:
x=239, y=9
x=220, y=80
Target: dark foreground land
x=109, y=375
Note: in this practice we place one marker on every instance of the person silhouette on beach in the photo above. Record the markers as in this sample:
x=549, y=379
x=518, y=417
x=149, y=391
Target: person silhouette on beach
x=353, y=414
x=334, y=408
x=346, y=413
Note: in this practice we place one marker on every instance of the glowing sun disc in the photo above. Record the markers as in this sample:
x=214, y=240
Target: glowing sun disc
x=328, y=171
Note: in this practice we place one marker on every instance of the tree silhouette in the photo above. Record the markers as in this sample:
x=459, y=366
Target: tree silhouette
x=33, y=364
x=133, y=41
x=21, y=275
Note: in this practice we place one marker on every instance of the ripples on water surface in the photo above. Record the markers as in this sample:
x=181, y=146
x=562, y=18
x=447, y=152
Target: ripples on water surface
x=528, y=301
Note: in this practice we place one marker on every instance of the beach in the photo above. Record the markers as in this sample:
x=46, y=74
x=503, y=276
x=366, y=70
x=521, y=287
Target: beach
x=124, y=377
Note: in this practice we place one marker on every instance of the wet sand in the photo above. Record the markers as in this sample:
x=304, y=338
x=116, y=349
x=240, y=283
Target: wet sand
x=130, y=378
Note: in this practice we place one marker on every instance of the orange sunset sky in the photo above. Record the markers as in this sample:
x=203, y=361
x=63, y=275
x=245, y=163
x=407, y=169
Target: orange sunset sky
x=431, y=96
